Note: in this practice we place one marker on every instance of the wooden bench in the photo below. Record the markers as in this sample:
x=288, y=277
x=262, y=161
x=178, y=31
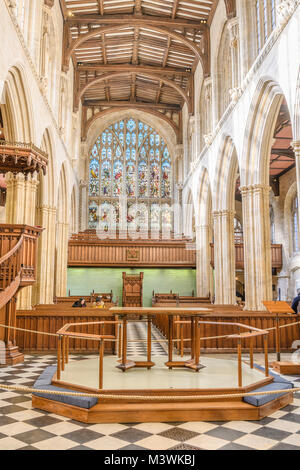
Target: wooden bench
x=50, y=318
x=228, y=313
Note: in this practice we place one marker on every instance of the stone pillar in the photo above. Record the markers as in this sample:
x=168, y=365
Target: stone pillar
x=257, y=245
x=20, y=209
x=62, y=237
x=203, y=269
x=195, y=136
x=84, y=186
x=296, y=147
x=224, y=257
x=44, y=288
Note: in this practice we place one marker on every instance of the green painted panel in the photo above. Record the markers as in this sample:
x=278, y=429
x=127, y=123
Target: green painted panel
x=82, y=281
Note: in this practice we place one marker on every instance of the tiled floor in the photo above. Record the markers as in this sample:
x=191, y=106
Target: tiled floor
x=23, y=428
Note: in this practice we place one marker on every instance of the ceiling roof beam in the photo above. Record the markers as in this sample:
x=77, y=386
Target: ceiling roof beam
x=96, y=32
x=137, y=20
x=125, y=104
x=109, y=76
x=135, y=68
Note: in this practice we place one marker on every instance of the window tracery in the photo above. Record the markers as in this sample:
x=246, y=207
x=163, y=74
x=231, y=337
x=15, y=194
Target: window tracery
x=130, y=161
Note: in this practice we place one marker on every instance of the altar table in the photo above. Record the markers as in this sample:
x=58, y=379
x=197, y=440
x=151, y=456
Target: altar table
x=194, y=313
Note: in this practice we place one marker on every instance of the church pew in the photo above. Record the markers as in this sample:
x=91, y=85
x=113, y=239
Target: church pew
x=262, y=320
x=50, y=318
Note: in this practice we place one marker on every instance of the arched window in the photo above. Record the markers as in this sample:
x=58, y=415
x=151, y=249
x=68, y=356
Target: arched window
x=224, y=72
x=295, y=225
x=131, y=161
x=265, y=20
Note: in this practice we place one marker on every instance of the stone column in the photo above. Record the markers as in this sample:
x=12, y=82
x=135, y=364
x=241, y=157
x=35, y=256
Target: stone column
x=203, y=269
x=257, y=245
x=62, y=237
x=224, y=257
x=296, y=147
x=84, y=186
x=43, y=290
x=20, y=209
x=196, y=137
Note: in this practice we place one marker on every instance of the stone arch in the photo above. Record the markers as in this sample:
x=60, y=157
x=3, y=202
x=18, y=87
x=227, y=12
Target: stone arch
x=260, y=127
x=296, y=120
x=62, y=234
x=224, y=212
x=43, y=290
x=227, y=168
x=17, y=110
x=74, y=210
x=255, y=189
x=292, y=192
x=100, y=124
x=204, y=236
x=224, y=72
x=189, y=214
x=157, y=114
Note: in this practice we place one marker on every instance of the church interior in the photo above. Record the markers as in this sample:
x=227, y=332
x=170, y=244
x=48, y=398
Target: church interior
x=149, y=225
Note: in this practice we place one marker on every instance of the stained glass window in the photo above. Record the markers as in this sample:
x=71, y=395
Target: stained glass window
x=130, y=159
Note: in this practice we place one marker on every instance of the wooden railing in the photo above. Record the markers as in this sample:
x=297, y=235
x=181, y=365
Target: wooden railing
x=276, y=253
x=10, y=236
x=92, y=251
x=18, y=255
x=10, y=272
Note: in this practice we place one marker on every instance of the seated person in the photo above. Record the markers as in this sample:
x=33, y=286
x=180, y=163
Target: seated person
x=99, y=303
x=296, y=301
x=79, y=303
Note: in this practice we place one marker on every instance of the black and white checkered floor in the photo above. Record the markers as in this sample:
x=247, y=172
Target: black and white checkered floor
x=23, y=428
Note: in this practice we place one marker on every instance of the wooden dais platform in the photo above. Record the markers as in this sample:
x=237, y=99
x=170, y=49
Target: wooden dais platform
x=286, y=367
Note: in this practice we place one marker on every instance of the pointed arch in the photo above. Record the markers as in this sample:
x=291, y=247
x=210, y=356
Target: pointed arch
x=260, y=128
x=227, y=168
x=17, y=110
x=108, y=76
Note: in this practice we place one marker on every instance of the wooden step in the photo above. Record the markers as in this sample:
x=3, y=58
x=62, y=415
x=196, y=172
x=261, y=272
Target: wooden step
x=147, y=411
x=286, y=367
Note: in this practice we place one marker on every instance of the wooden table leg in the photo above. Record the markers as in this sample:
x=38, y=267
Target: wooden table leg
x=58, y=358
x=149, y=342
x=277, y=339
x=240, y=370
x=251, y=353
x=63, y=353
x=195, y=362
x=120, y=340
x=266, y=355
x=101, y=356
x=192, y=338
x=170, y=335
x=181, y=340
x=197, y=342
x=125, y=364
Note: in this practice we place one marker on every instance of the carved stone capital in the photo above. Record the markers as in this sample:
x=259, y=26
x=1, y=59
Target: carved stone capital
x=208, y=139
x=235, y=94
x=296, y=147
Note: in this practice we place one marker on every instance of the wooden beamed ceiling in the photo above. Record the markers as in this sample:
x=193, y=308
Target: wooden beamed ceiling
x=137, y=53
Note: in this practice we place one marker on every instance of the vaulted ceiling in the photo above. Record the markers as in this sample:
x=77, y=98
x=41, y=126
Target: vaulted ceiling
x=137, y=53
